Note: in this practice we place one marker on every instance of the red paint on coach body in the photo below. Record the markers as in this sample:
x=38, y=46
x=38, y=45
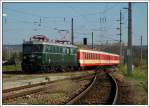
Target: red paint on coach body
x=96, y=58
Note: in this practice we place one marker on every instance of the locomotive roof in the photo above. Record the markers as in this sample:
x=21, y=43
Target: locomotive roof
x=49, y=43
x=94, y=51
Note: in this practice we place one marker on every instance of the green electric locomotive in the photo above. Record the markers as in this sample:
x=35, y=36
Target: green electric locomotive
x=41, y=55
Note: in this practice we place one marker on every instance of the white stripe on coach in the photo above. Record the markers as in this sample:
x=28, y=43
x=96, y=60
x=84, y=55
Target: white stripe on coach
x=98, y=61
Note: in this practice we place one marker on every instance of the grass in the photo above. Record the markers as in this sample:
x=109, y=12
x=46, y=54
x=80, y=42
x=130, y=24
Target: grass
x=43, y=101
x=38, y=102
x=11, y=67
x=137, y=73
x=56, y=95
x=139, y=81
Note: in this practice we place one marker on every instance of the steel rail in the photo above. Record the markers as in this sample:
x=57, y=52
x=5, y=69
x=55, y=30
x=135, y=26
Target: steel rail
x=23, y=93
x=39, y=84
x=76, y=98
x=114, y=91
x=27, y=92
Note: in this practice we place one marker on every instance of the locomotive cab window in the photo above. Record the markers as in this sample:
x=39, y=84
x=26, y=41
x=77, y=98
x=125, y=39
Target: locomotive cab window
x=32, y=48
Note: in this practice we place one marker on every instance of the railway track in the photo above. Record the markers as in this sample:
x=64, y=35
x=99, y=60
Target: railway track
x=25, y=90
x=102, y=90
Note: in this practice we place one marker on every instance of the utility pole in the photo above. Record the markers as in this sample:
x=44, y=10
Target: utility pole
x=120, y=34
x=92, y=41
x=141, y=51
x=120, y=37
x=72, y=41
x=129, y=49
x=40, y=22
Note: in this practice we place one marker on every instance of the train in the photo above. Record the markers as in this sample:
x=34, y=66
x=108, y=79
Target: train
x=39, y=54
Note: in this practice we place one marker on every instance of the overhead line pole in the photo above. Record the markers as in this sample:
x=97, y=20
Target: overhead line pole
x=120, y=34
x=129, y=49
x=120, y=37
x=92, y=41
x=72, y=38
x=141, y=51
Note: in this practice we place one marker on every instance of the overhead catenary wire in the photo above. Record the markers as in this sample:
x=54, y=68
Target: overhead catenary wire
x=62, y=18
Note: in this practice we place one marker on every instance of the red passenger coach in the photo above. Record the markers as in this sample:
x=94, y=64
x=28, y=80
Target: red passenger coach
x=89, y=58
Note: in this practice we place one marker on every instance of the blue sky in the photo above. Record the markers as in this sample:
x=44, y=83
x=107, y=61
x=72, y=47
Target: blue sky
x=22, y=21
